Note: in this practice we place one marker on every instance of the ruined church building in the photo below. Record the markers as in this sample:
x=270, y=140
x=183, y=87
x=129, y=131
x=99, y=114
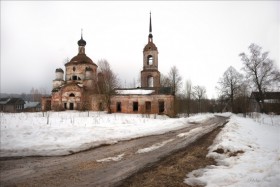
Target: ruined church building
x=79, y=90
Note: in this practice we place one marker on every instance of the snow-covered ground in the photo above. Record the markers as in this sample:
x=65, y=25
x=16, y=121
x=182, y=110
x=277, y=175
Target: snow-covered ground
x=247, y=152
x=62, y=133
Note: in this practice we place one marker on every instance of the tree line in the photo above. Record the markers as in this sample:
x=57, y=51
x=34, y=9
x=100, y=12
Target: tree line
x=258, y=74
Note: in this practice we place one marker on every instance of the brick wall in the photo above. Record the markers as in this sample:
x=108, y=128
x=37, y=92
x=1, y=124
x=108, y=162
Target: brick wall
x=140, y=104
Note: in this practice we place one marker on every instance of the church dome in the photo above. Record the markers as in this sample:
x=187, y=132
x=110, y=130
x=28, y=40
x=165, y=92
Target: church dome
x=80, y=59
x=59, y=70
x=82, y=42
x=150, y=47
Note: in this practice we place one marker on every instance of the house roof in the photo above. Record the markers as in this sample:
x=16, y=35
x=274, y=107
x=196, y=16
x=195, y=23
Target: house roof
x=11, y=101
x=31, y=104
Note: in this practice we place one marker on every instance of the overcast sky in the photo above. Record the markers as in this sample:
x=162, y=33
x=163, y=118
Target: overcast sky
x=201, y=38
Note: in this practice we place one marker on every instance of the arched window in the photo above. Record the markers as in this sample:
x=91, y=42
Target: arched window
x=150, y=60
x=150, y=81
x=72, y=95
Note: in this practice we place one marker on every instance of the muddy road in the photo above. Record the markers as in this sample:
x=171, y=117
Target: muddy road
x=107, y=165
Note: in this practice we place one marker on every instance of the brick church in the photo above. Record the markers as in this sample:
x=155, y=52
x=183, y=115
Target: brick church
x=78, y=88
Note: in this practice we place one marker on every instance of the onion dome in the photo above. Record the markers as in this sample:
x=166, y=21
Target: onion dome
x=82, y=42
x=59, y=70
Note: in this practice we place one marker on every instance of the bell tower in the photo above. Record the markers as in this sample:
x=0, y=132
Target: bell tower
x=150, y=76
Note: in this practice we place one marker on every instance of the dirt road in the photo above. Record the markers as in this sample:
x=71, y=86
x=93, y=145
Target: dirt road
x=103, y=166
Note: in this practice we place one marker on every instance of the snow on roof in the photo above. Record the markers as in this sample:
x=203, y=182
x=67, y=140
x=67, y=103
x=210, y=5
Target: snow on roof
x=4, y=101
x=31, y=104
x=135, y=91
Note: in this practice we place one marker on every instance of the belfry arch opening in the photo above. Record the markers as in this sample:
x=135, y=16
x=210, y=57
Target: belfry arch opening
x=150, y=60
x=150, y=80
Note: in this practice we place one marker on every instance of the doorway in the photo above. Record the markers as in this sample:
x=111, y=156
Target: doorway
x=119, y=107
x=161, y=107
x=71, y=106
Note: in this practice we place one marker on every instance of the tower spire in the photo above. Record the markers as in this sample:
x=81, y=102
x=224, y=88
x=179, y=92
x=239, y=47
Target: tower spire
x=150, y=38
x=82, y=43
x=150, y=30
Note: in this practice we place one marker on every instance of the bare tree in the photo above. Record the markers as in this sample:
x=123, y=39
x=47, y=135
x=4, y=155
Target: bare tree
x=35, y=95
x=176, y=79
x=230, y=84
x=165, y=81
x=243, y=98
x=109, y=81
x=173, y=80
x=260, y=70
x=188, y=92
x=199, y=93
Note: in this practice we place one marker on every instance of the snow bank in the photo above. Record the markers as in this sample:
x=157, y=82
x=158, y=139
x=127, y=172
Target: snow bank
x=62, y=133
x=247, y=153
x=198, y=118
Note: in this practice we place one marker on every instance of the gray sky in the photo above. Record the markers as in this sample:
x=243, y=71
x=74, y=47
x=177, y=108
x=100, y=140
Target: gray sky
x=201, y=38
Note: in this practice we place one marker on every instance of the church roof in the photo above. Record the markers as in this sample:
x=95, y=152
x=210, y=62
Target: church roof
x=80, y=59
x=150, y=47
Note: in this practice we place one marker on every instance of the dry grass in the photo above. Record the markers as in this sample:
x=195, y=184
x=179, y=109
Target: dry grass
x=222, y=151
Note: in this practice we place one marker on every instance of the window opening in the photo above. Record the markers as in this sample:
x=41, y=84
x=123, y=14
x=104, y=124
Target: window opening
x=119, y=106
x=135, y=106
x=150, y=60
x=148, y=106
x=74, y=77
x=71, y=95
x=100, y=106
x=65, y=105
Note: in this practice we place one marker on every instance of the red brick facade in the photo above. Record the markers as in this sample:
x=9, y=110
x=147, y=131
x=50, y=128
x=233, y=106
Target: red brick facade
x=79, y=89
x=143, y=104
